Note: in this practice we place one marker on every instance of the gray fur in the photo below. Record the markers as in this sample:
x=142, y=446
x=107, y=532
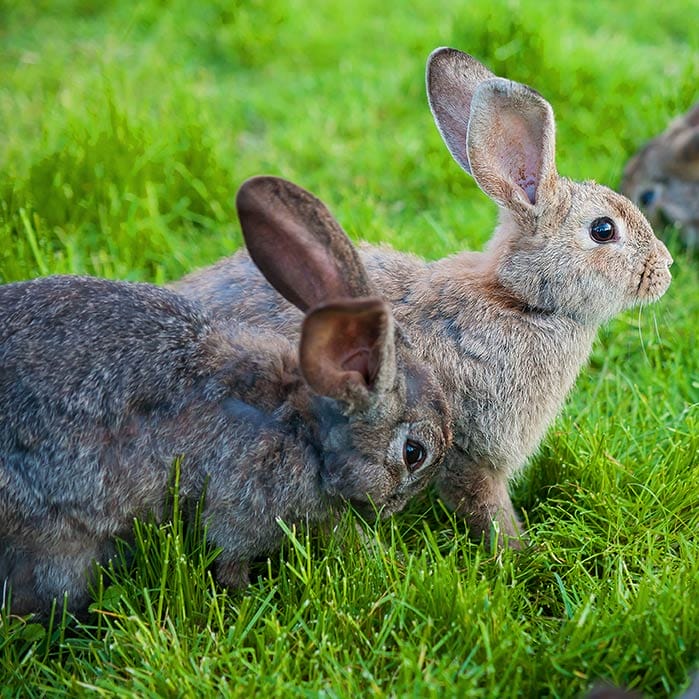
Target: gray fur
x=602, y=691
x=663, y=177
x=507, y=330
x=104, y=384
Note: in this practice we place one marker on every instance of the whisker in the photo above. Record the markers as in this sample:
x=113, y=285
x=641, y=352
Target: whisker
x=640, y=334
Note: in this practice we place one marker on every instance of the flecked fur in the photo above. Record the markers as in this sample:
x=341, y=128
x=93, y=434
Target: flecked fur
x=104, y=384
x=507, y=330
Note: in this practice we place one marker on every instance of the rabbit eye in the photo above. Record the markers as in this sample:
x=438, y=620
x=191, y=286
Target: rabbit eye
x=603, y=230
x=414, y=454
x=646, y=197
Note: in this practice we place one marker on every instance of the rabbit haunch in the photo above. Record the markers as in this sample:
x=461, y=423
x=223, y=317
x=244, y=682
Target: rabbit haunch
x=103, y=385
x=508, y=329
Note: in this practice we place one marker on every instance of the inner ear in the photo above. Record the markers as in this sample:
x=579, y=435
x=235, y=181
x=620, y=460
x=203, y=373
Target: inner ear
x=511, y=143
x=520, y=158
x=347, y=349
x=361, y=360
x=297, y=244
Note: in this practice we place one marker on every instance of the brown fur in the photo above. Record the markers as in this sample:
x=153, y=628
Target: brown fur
x=602, y=691
x=104, y=384
x=663, y=177
x=507, y=330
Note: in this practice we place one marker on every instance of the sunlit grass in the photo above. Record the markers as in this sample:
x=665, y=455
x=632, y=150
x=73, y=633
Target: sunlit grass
x=126, y=130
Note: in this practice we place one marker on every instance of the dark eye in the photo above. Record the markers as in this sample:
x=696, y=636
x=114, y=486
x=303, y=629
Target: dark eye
x=603, y=230
x=414, y=454
x=646, y=197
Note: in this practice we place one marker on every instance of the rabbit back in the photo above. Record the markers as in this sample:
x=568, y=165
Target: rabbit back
x=83, y=362
x=75, y=347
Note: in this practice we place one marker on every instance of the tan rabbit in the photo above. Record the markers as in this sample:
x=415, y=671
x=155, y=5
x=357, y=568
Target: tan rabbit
x=506, y=330
x=663, y=177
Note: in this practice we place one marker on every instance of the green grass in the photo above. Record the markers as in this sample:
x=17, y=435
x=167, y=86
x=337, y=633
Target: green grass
x=126, y=129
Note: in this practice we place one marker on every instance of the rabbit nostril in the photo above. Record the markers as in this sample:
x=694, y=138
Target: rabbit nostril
x=647, y=197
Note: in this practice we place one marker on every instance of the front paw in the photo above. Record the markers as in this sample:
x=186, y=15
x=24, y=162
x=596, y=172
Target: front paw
x=480, y=496
x=232, y=574
x=506, y=531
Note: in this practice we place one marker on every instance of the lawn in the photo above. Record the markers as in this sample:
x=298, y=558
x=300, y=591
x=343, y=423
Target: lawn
x=125, y=130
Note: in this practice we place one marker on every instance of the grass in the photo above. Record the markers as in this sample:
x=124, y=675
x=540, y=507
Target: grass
x=126, y=129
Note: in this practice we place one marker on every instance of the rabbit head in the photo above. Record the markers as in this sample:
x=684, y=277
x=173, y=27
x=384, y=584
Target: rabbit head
x=566, y=248
x=663, y=177
x=383, y=421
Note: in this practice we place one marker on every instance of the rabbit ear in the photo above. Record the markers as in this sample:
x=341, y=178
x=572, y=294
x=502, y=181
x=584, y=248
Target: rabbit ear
x=452, y=78
x=297, y=244
x=687, y=147
x=691, y=118
x=347, y=350
x=511, y=144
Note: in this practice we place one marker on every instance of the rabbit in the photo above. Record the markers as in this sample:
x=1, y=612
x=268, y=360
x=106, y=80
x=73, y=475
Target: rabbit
x=663, y=177
x=507, y=330
x=601, y=691
x=104, y=384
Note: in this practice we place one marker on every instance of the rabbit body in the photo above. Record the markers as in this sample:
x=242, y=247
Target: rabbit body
x=104, y=384
x=94, y=456
x=663, y=176
x=508, y=329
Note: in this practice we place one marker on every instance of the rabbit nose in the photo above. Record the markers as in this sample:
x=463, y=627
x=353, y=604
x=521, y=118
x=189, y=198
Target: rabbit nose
x=663, y=253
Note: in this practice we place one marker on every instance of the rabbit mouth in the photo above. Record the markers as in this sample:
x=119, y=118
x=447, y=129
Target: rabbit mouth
x=372, y=512
x=653, y=282
x=367, y=510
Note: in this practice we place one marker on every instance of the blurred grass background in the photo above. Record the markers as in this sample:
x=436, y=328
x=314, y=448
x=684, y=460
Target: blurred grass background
x=125, y=130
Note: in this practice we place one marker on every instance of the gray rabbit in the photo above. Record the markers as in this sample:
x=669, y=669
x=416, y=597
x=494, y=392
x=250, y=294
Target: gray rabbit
x=103, y=384
x=611, y=692
x=663, y=177
x=506, y=330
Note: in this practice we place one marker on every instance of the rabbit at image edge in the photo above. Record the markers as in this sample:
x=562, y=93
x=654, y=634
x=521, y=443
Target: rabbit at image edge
x=506, y=330
x=663, y=177
x=610, y=692
x=103, y=384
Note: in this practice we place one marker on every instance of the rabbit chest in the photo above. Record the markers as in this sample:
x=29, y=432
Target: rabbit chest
x=505, y=369
x=506, y=380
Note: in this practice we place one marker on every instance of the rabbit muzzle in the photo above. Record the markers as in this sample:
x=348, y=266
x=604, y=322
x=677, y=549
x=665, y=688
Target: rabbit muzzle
x=371, y=512
x=655, y=277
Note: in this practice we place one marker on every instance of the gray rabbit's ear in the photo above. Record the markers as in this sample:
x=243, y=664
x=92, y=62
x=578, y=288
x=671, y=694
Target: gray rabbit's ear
x=452, y=78
x=347, y=350
x=511, y=144
x=297, y=244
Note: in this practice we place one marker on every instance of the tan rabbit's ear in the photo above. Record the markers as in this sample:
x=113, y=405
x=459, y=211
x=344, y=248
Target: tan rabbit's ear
x=511, y=144
x=297, y=243
x=347, y=350
x=452, y=77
